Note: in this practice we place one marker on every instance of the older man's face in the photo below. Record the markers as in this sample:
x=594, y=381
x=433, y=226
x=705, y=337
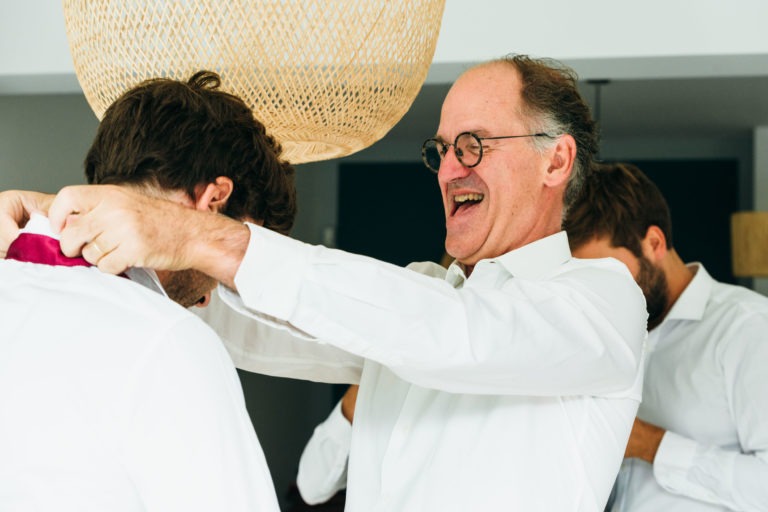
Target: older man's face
x=496, y=206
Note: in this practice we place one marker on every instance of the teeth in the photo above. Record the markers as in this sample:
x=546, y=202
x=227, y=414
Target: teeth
x=467, y=197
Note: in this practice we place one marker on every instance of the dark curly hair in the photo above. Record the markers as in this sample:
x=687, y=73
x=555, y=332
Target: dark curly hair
x=177, y=135
x=553, y=104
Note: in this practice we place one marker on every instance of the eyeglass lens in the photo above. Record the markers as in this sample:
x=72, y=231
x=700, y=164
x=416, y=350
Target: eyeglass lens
x=467, y=147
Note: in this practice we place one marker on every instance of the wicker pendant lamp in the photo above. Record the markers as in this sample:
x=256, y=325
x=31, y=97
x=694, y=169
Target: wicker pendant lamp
x=327, y=77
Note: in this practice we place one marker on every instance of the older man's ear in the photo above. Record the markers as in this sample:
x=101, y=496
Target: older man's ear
x=561, y=163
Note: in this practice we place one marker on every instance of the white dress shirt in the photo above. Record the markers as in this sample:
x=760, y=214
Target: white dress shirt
x=114, y=398
x=706, y=383
x=323, y=464
x=513, y=389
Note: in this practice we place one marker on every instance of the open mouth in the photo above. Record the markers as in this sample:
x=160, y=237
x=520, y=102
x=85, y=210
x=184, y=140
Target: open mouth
x=465, y=201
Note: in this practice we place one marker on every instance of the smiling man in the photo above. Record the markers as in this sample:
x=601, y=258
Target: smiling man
x=509, y=382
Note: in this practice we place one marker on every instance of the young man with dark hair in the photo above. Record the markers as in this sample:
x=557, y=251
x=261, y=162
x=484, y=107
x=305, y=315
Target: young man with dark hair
x=112, y=397
x=700, y=440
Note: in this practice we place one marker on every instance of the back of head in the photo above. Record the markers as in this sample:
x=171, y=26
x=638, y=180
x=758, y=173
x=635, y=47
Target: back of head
x=619, y=202
x=554, y=105
x=172, y=135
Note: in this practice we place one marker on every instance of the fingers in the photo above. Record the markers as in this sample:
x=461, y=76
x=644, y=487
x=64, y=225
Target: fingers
x=77, y=239
x=36, y=202
x=103, y=223
x=13, y=216
x=101, y=251
x=9, y=231
x=93, y=253
x=79, y=199
x=112, y=263
x=115, y=228
x=89, y=218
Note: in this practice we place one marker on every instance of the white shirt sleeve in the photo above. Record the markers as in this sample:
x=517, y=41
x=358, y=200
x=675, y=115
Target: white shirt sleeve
x=323, y=463
x=186, y=440
x=269, y=348
x=580, y=334
x=737, y=480
x=711, y=474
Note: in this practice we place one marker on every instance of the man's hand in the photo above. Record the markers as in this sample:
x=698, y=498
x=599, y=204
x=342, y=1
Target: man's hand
x=644, y=441
x=15, y=209
x=116, y=228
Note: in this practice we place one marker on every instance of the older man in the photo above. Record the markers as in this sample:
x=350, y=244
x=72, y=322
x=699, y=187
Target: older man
x=509, y=382
x=700, y=442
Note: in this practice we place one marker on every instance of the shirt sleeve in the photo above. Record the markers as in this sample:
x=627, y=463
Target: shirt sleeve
x=269, y=347
x=186, y=439
x=711, y=474
x=735, y=478
x=570, y=336
x=323, y=464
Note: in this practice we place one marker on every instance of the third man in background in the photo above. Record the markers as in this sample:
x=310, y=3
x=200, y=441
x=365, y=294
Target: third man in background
x=700, y=441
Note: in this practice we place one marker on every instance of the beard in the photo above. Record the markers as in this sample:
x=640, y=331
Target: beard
x=653, y=283
x=188, y=287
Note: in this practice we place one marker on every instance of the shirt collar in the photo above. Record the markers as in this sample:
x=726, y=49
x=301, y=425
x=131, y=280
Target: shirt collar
x=533, y=260
x=147, y=278
x=693, y=301
x=39, y=225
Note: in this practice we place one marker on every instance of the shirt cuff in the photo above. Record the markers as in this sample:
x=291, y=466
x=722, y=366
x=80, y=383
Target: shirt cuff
x=270, y=275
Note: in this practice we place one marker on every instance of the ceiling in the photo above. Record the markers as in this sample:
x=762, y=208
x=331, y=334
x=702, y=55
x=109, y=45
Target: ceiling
x=692, y=107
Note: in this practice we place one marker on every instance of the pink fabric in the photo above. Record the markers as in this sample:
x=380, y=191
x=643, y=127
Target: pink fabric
x=43, y=250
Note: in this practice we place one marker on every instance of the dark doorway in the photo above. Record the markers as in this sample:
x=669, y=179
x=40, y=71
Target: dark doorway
x=702, y=195
x=390, y=211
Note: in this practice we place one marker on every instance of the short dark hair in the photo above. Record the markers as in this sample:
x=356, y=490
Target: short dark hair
x=553, y=103
x=177, y=135
x=620, y=202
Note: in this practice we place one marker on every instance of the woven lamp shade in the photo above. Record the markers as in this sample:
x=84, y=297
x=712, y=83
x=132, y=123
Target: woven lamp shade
x=749, y=242
x=326, y=77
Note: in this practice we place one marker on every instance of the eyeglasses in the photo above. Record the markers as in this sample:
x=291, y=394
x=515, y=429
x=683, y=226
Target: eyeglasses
x=468, y=148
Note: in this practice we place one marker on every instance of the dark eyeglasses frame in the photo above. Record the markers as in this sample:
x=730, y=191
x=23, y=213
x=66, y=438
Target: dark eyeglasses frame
x=459, y=154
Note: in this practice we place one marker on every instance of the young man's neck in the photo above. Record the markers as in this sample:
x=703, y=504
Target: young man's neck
x=678, y=275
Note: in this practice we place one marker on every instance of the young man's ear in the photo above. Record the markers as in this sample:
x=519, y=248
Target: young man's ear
x=561, y=164
x=654, y=245
x=213, y=196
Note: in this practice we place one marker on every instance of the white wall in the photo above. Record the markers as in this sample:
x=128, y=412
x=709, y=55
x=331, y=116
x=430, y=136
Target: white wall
x=43, y=140
x=597, y=29
x=600, y=38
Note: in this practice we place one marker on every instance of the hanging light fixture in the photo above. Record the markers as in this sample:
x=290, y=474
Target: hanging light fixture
x=598, y=84
x=326, y=77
